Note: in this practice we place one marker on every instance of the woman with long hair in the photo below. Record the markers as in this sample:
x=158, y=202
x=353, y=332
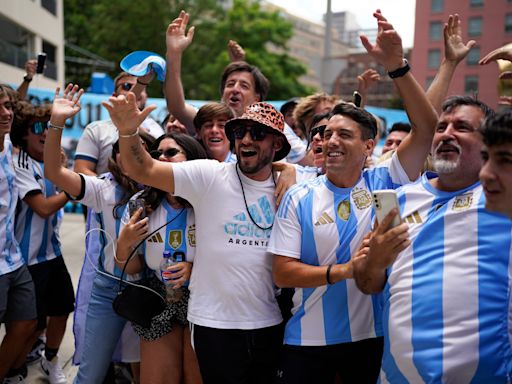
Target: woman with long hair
x=107, y=196
x=166, y=352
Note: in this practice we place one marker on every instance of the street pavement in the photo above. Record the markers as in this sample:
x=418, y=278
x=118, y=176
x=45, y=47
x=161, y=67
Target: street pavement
x=72, y=233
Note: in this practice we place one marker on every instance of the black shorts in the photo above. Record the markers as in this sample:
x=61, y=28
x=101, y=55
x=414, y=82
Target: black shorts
x=358, y=362
x=17, y=296
x=54, y=290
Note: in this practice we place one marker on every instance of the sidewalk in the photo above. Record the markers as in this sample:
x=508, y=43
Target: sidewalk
x=72, y=233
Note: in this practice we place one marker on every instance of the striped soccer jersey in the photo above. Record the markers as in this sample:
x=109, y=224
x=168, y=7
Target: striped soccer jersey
x=101, y=195
x=10, y=254
x=322, y=224
x=179, y=235
x=37, y=236
x=447, y=311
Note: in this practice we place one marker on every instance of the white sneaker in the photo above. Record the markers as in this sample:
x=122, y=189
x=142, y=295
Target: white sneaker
x=18, y=379
x=53, y=371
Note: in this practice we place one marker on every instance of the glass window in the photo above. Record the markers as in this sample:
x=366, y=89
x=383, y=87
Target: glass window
x=16, y=44
x=476, y=3
x=51, y=59
x=508, y=22
x=437, y=6
x=471, y=84
x=473, y=56
x=475, y=26
x=434, y=58
x=436, y=30
x=50, y=6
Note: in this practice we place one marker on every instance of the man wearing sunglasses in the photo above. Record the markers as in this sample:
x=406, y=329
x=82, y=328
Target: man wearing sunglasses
x=335, y=329
x=233, y=309
x=38, y=220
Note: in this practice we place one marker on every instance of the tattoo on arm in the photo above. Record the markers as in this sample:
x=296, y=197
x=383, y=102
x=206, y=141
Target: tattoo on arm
x=136, y=152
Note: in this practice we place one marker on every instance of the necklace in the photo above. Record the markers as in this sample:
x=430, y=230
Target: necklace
x=245, y=201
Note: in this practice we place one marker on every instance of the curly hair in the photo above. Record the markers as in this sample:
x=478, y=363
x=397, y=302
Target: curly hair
x=26, y=114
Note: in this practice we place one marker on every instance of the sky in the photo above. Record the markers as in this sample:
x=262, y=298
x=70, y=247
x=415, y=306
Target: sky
x=399, y=12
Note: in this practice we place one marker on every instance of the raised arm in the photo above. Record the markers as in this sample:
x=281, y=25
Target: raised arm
x=63, y=108
x=501, y=53
x=454, y=52
x=365, y=80
x=137, y=162
x=388, y=51
x=177, y=40
x=30, y=71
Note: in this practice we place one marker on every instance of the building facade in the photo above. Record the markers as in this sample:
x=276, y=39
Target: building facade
x=28, y=27
x=488, y=22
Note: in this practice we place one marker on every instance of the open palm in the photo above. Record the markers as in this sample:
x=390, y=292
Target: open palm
x=69, y=104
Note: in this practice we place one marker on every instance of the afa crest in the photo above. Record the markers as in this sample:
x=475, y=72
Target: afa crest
x=344, y=210
x=463, y=202
x=191, y=235
x=175, y=239
x=362, y=198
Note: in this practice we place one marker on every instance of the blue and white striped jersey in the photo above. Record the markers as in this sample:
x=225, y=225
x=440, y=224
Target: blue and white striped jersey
x=447, y=303
x=230, y=158
x=101, y=195
x=322, y=224
x=177, y=236
x=10, y=254
x=37, y=236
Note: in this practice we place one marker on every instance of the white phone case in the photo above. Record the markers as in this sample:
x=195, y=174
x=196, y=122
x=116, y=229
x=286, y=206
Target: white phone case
x=384, y=200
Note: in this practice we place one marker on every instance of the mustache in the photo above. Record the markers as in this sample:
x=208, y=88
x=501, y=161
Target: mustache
x=451, y=143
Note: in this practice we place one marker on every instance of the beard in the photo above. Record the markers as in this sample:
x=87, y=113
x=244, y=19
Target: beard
x=264, y=160
x=443, y=166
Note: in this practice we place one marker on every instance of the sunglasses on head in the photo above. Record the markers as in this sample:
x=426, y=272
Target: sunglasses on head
x=169, y=153
x=319, y=129
x=257, y=132
x=39, y=127
x=126, y=86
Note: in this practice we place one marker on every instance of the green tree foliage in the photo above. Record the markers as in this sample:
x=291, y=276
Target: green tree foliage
x=112, y=29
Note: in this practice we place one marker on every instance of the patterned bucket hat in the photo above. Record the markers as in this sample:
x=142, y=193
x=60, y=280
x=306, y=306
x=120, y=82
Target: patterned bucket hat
x=264, y=114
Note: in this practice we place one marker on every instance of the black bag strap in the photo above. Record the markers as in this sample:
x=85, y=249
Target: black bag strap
x=140, y=243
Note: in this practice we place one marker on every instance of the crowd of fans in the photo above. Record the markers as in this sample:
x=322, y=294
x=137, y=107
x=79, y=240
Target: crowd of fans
x=282, y=274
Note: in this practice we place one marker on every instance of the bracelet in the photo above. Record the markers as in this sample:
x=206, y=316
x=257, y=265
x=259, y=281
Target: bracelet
x=328, y=275
x=141, y=83
x=55, y=127
x=130, y=135
x=400, y=71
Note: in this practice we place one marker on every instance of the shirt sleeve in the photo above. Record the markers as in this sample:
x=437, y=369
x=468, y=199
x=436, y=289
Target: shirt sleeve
x=298, y=148
x=387, y=175
x=88, y=147
x=26, y=177
x=193, y=179
x=94, y=190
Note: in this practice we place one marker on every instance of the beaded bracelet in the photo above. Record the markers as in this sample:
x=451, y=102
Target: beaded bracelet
x=55, y=127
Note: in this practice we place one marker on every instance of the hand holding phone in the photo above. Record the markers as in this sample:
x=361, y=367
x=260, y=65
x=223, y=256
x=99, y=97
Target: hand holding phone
x=384, y=200
x=134, y=205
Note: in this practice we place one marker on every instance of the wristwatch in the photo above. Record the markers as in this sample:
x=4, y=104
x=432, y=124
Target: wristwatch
x=26, y=78
x=400, y=71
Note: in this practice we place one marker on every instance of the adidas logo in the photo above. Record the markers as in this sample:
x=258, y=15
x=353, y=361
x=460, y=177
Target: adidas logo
x=156, y=238
x=262, y=213
x=324, y=219
x=414, y=218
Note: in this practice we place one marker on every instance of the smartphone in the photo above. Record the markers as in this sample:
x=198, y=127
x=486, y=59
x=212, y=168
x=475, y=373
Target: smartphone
x=41, y=59
x=356, y=99
x=384, y=200
x=134, y=205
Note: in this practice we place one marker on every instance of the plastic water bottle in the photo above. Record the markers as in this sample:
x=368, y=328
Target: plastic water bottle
x=167, y=261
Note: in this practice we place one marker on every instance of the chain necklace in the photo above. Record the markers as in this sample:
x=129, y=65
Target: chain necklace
x=245, y=200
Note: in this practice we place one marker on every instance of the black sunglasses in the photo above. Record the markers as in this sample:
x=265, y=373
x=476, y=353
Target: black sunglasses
x=319, y=129
x=39, y=127
x=169, y=153
x=126, y=86
x=257, y=132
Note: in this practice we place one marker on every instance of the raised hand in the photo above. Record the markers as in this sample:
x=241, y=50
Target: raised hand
x=235, y=51
x=454, y=48
x=501, y=53
x=125, y=114
x=367, y=79
x=177, y=39
x=388, y=49
x=66, y=106
x=30, y=68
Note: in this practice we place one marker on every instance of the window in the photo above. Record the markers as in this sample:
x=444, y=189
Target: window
x=436, y=6
x=16, y=44
x=434, y=58
x=476, y=3
x=50, y=6
x=473, y=56
x=436, y=30
x=51, y=59
x=471, y=84
x=475, y=26
x=508, y=22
